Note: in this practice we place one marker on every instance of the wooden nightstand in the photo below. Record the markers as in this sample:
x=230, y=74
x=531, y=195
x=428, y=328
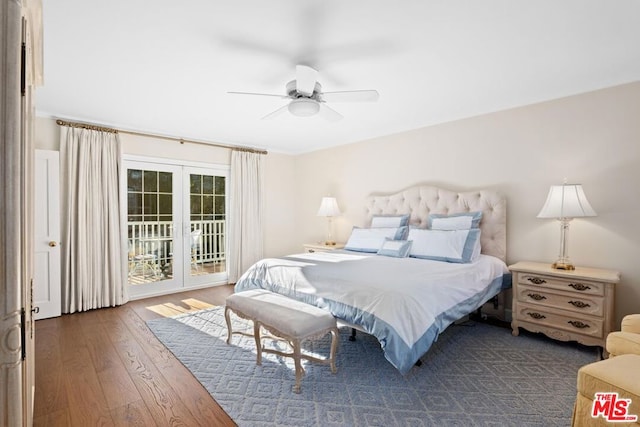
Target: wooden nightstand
x=575, y=305
x=321, y=247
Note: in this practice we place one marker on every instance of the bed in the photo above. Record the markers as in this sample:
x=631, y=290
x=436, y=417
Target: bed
x=405, y=302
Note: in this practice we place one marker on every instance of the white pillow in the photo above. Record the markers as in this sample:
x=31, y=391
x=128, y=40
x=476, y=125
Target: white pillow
x=460, y=246
x=378, y=221
x=371, y=239
x=459, y=221
x=395, y=248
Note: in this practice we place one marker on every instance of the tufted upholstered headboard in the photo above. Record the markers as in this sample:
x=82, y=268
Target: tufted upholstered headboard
x=420, y=201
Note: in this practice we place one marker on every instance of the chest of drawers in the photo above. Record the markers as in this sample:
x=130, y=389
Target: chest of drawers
x=575, y=305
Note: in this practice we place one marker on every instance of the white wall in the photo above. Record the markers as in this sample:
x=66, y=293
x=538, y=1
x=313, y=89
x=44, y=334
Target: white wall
x=592, y=139
x=279, y=194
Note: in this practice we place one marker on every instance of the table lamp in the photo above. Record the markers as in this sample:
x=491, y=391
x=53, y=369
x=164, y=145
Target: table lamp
x=329, y=208
x=564, y=203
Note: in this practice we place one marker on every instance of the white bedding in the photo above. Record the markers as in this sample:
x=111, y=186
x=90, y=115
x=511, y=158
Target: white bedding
x=404, y=302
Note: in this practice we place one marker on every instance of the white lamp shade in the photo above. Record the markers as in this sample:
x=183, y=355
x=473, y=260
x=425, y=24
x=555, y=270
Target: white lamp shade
x=566, y=201
x=329, y=207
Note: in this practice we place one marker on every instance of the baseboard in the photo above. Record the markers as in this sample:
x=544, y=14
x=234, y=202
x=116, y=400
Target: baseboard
x=176, y=291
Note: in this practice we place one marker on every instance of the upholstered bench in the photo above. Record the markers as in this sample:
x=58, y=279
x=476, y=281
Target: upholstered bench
x=285, y=318
x=619, y=375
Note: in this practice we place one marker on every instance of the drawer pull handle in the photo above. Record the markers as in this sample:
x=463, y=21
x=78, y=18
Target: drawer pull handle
x=579, y=286
x=578, y=324
x=536, y=280
x=579, y=304
x=537, y=316
x=536, y=297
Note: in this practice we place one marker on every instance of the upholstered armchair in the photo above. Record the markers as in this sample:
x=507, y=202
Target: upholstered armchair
x=627, y=341
x=620, y=374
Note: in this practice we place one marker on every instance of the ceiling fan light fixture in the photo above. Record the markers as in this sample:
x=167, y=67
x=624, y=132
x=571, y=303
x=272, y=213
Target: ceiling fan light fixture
x=304, y=107
x=306, y=98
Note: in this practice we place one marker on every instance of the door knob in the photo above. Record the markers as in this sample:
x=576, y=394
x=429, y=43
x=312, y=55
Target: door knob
x=53, y=244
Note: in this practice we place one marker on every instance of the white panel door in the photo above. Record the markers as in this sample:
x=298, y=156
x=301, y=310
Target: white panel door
x=153, y=211
x=176, y=225
x=204, y=217
x=46, y=281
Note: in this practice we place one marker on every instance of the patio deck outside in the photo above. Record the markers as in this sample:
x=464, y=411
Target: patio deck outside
x=151, y=249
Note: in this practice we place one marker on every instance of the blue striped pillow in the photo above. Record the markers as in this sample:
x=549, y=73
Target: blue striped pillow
x=460, y=246
x=457, y=221
x=395, y=248
x=371, y=239
x=378, y=221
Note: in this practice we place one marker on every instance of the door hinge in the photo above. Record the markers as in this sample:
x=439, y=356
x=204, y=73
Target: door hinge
x=23, y=72
x=23, y=59
x=23, y=332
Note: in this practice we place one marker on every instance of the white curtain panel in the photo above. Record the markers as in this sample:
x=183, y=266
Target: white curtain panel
x=93, y=257
x=246, y=216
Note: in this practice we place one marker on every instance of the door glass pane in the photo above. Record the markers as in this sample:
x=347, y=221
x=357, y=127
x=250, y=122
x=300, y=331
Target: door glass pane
x=165, y=204
x=165, y=182
x=150, y=204
x=207, y=207
x=134, y=180
x=135, y=203
x=150, y=181
x=195, y=181
x=149, y=226
x=207, y=230
x=219, y=208
x=220, y=183
x=207, y=184
x=196, y=205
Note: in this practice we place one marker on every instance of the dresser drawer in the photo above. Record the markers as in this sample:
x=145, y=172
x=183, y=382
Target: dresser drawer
x=575, y=324
x=577, y=302
x=580, y=286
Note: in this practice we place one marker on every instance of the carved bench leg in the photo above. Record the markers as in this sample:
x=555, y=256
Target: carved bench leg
x=228, y=320
x=296, y=358
x=256, y=335
x=334, y=347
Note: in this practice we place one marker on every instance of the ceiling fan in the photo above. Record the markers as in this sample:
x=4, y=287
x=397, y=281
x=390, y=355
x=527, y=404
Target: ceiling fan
x=307, y=99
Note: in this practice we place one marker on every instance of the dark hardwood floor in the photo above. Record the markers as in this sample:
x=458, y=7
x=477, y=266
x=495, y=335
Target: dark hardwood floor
x=106, y=368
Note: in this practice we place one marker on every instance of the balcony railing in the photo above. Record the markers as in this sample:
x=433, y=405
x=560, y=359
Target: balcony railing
x=156, y=238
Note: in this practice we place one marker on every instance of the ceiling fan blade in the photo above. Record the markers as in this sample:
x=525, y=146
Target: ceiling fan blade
x=259, y=94
x=305, y=79
x=329, y=113
x=276, y=113
x=351, y=96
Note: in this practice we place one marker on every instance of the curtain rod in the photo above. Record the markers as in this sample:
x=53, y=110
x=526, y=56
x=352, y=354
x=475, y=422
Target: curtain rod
x=151, y=135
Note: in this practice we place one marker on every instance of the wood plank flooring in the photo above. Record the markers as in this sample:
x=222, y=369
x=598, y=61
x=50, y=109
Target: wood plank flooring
x=106, y=368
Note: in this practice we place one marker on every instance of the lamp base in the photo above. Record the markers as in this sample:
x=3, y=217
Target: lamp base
x=559, y=265
x=563, y=262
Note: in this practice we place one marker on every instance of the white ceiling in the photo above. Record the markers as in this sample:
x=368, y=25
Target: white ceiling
x=165, y=66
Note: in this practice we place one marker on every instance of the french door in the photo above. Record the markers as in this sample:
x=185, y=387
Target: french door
x=176, y=231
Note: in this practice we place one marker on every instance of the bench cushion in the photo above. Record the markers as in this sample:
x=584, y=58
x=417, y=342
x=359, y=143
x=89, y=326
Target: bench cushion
x=292, y=318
